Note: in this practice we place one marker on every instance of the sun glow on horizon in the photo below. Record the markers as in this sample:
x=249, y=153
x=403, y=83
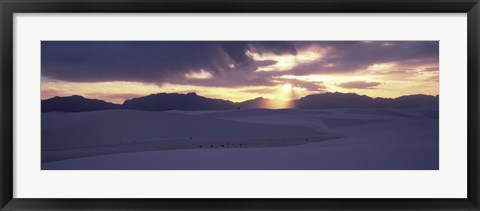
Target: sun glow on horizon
x=287, y=87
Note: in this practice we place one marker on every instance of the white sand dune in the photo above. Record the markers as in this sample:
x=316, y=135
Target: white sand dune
x=126, y=127
x=242, y=139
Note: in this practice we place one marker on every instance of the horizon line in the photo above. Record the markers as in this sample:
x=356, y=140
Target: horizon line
x=238, y=101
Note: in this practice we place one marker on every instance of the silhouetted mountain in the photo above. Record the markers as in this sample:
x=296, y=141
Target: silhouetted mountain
x=191, y=101
x=334, y=100
x=415, y=101
x=76, y=103
x=259, y=102
x=351, y=100
x=173, y=101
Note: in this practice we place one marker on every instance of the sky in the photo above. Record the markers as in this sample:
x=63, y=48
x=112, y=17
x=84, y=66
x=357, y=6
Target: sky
x=116, y=71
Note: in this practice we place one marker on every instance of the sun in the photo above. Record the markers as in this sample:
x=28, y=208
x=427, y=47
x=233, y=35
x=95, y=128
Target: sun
x=287, y=87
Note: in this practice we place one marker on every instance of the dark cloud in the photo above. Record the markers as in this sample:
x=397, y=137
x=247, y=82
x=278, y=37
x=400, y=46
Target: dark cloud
x=359, y=85
x=152, y=62
x=227, y=61
x=276, y=47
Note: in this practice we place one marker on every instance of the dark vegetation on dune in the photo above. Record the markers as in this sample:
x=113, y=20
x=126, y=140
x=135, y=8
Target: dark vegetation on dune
x=192, y=101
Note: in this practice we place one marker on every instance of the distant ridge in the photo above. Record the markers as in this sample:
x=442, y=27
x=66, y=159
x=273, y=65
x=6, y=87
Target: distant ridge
x=192, y=101
x=259, y=102
x=174, y=101
x=76, y=103
x=351, y=100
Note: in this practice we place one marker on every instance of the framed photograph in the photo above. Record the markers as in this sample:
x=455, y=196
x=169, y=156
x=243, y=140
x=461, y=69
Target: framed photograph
x=227, y=105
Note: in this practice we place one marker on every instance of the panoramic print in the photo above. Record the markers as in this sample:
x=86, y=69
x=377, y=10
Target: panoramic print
x=239, y=105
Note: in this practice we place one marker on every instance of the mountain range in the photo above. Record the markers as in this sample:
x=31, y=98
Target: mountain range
x=192, y=101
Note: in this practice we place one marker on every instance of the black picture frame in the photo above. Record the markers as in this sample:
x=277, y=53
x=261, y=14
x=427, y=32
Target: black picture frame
x=9, y=7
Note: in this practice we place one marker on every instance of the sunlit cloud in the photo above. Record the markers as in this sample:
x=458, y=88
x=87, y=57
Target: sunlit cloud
x=288, y=61
x=359, y=85
x=115, y=92
x=388, y=85
x=382, y=67
x=284, y=62
x=202, y=74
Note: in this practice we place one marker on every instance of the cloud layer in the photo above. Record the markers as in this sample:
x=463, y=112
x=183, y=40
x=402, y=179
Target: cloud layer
x=241, y=64
x=227, y=61
x=359, y=85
